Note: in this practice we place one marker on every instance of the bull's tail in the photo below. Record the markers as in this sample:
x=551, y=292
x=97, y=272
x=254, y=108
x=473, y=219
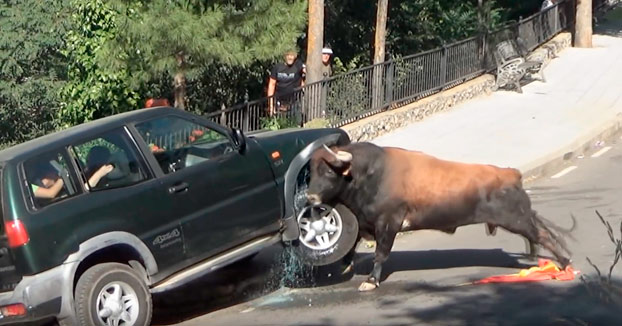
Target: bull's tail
x=547, y=225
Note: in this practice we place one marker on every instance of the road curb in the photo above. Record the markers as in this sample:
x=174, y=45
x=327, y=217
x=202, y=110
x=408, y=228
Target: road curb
x=563, y=156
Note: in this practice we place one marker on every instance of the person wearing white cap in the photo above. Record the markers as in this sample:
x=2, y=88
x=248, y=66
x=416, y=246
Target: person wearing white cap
x=326, y=68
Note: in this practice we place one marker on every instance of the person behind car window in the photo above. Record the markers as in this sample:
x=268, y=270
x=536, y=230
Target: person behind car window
x=97, y=165
x=47, y=183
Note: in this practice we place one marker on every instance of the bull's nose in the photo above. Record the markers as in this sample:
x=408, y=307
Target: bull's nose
x=314, y=199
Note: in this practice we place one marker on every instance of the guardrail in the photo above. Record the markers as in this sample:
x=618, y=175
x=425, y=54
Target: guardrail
x=351, y=96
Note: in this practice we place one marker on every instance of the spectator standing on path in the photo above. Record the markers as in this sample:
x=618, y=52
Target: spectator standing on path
x=284, y=78
x=546, y=4
x=327, y=70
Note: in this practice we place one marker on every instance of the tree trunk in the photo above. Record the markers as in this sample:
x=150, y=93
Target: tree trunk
x=583, y=27
x=381, y=31
x=480, y=14
x=378, y=97
x=315, y=41
x=180, y=83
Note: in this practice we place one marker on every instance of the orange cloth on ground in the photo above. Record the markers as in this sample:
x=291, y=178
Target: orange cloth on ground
x=546, y=270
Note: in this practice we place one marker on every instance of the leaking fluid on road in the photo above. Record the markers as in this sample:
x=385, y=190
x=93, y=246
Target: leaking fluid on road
x=295, y=272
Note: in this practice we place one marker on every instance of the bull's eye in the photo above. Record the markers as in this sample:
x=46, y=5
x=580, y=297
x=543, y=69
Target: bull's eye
x=330, y=172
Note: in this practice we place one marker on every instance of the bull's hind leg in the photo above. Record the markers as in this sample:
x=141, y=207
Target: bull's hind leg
x=550, y=242
x=514, y=213
x=532, y=249
x=386, y=231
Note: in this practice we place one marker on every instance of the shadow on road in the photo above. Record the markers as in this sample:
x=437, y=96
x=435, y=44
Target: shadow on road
x=238, y=283
x=245, y=281
x=546, y=303
x=234, y=284
x=440, y=259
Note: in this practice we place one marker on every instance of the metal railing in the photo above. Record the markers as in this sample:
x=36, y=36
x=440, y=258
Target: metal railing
x=351, y=96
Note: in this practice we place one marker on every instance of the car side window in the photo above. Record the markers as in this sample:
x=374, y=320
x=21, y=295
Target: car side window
x=109, y=161
x=48, y=178
x=178, y=143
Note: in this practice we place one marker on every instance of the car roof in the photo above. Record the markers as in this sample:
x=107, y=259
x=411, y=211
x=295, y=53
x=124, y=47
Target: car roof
x=69, y=135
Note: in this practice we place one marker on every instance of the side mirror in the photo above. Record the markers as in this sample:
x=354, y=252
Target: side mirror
x=239, y=140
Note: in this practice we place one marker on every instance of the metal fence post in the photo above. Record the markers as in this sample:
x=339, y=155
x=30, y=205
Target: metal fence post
x=223, y=117
x=245, y=118
x=443, y=66
x=246, y=114
x=484, y=61
x=389, y=84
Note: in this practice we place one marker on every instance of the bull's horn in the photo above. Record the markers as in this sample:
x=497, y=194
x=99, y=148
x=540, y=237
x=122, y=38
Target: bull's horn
x=340, y=155
x=329, y=150
x=344, y=156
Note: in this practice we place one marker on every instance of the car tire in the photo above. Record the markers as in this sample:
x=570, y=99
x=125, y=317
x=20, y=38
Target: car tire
x=112, y=281
x=339, y=249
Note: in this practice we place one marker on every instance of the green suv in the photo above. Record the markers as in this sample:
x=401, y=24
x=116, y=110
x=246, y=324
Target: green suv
x=98, y=217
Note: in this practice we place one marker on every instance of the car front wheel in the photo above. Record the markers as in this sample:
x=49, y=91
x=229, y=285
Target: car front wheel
x=327, y=234
x=112, y=294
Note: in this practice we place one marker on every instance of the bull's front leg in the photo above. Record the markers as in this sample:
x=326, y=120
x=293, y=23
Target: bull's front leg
x=385, y=232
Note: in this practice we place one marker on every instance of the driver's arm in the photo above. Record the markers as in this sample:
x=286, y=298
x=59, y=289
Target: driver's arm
x=50, y=192
x=96, y=177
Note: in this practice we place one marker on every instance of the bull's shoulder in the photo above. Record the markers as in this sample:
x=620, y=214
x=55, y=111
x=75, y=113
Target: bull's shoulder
x=509, y=176
x=512, y=174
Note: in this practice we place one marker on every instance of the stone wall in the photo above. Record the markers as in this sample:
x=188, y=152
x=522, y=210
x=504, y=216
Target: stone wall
x=385, y=122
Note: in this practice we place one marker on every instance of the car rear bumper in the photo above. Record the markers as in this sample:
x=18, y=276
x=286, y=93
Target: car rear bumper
x=41, y=295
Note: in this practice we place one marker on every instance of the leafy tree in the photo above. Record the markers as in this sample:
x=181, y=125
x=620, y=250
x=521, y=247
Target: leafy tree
x=32, y=69
x=181, y=38
x=413, y=25
x=349, y=29
x=424, y=24
x=93, y=92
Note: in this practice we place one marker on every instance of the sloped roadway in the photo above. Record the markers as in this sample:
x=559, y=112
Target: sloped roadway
x=426, y=271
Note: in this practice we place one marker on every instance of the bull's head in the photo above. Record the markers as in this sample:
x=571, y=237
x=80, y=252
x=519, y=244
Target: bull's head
x=330, y=173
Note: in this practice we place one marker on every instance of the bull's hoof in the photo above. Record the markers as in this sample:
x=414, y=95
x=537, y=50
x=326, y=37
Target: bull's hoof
x=367, y=286
x=348, y=269
x=491, y=230
x=565, y=262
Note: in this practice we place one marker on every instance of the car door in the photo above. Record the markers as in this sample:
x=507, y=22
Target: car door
x=127, y=198
x=223, y=197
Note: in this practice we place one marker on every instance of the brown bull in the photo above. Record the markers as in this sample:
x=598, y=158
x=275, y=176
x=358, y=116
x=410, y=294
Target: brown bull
x=392, y=190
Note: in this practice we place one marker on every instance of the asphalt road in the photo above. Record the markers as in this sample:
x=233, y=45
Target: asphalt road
x=426, y=272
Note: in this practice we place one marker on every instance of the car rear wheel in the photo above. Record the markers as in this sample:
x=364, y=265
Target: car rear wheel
x=112, y=294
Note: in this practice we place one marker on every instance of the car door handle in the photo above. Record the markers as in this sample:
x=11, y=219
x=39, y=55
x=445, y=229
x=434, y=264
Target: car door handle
x=178, y=188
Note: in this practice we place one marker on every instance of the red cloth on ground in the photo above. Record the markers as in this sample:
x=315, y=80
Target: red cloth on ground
x=546, y=270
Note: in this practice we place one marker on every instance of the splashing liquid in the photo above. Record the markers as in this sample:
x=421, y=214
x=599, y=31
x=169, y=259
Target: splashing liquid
x=295, y=272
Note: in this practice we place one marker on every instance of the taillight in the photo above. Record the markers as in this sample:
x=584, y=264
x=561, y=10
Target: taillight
x=16, y=233
x=17, y=309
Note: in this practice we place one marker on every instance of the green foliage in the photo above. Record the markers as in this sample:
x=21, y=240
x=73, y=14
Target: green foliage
x=349, y=29
x=82, y=150
x=277, y=122
x=93, y=92
x=218, y=84
x=196, y=38
x=348, y=96
x=317, y=123
x=340, y=67
x=413, y=26
x=32, y=69
x=421, y=25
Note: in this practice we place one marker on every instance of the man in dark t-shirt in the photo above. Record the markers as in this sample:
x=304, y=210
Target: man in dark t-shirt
x=284, y=78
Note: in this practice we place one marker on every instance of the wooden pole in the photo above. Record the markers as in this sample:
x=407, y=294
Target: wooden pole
x=315, y=41
x=583, y=27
